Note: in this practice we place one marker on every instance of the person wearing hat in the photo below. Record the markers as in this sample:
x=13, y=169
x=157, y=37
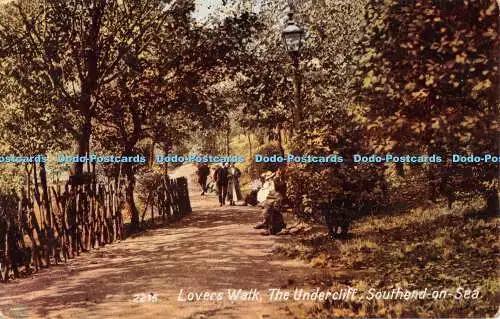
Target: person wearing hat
x=203, y=172
x=267, y=186
x=272, y=218
x=221, y=180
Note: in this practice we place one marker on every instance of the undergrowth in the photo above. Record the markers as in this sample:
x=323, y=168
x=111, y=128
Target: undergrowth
x=434, y=248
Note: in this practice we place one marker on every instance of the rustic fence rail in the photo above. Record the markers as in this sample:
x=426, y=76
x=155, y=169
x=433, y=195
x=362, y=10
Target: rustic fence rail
x=39, y=229
x=169, y=198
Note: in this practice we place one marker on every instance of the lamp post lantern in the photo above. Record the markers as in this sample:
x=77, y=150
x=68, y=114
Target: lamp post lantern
x=292, y=37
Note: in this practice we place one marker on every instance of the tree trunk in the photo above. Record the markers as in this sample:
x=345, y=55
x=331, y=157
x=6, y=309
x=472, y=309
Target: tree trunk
x=86, y=129
x=280, y=142
x=45, y=195
x=89, y=83
x=251, y=154
x=129, y=198
x=152, y=154
x=129, y=168
x=250, y=145
x=228, y=145
x=36, y=194
x=166, y=150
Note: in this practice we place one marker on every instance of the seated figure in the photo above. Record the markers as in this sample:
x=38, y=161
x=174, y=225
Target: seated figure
x=272, y=219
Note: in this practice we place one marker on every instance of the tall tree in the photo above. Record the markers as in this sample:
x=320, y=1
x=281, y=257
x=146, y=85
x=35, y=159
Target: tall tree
x=66, y=52
x=430, y=74
x=172, y=79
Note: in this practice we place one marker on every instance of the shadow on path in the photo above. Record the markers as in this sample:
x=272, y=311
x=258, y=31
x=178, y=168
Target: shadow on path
x=213, y=249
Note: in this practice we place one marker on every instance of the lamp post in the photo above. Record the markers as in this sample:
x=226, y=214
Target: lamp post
x=292, y=37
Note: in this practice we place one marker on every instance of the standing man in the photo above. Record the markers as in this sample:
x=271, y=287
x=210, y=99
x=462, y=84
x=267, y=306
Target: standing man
x=203, y=172
x=221, y=179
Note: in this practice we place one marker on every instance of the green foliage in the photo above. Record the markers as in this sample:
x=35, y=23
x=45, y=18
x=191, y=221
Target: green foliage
x=353, y=189
x=430, y=73
x=118, y=73
x=264, y=86
x=207, y=142
x=334, y=123
x=425, y=248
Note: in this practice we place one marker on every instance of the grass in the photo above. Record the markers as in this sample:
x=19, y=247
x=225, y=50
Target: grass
x=432, y=248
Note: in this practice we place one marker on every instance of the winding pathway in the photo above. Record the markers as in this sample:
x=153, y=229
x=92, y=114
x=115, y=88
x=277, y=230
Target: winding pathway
x=211, y=250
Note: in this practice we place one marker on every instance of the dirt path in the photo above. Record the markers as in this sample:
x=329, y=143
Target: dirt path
x=211, y=250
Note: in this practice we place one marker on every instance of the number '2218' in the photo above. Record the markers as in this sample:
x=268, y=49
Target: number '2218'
x=145, y=297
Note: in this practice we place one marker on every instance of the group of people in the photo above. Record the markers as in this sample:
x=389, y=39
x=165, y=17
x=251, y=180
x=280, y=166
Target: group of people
x=226, y=178
x=269, y=192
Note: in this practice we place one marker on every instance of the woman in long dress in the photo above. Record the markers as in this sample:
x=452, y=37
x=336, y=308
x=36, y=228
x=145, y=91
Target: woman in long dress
x=233, y=187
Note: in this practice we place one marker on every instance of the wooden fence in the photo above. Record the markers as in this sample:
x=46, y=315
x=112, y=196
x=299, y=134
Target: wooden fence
x=169, y=198
x=41, y=229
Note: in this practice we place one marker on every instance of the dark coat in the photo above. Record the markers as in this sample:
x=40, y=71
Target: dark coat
x=203, y=172
x=220, y=175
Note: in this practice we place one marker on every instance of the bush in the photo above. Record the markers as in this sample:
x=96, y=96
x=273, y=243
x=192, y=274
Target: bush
x=429, y=72
x=321, y=190
x=354, y=190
